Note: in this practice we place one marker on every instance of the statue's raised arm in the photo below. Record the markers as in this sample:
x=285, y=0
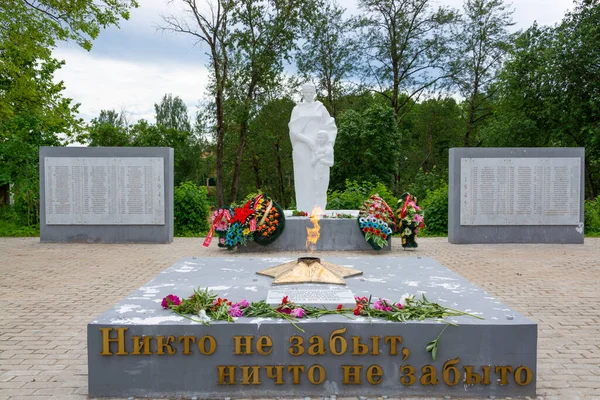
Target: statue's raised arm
x=308, y=118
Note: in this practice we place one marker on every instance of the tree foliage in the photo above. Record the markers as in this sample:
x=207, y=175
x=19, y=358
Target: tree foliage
x=367, y=147
x=482, y=41
x=108, y=129
x=406, y=47
x=211, y=29
x=33, y=110
x=549, y=92
x=328, y=54
x=80, y=21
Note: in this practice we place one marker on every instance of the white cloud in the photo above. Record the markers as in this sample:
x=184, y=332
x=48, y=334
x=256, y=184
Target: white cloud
x=104, y=83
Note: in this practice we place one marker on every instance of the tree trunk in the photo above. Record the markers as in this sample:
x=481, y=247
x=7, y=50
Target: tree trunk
x=470, y=125
x=220, y=141
x=256, y=169
x=280, y=184
x=590, y=181
x=330, y=98
x=472, y=109
x=235, y=183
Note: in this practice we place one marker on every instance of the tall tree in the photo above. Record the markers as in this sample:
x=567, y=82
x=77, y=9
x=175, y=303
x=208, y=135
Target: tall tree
x=482, y=41
x=33, y=110
x=264, y=36
x=109, y=129
x=328, y=55
x=269, y=154
x=549, y=92
x=172, y=113
x=65, y=20
x=367, y=147
x=211, y=28
x=406, y=48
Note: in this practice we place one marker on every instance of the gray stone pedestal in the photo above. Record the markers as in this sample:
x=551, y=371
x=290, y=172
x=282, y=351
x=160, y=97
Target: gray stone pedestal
x=138, y=349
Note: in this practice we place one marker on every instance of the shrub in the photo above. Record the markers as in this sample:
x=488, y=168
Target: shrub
x=423, y=182
x=355, y=194
x=191, y=209
x=435, y=206
x=27, y=203
x=10, y=224
x=592, y=217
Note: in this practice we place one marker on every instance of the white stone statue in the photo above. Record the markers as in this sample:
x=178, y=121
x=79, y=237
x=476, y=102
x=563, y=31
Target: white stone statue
x=313, y=133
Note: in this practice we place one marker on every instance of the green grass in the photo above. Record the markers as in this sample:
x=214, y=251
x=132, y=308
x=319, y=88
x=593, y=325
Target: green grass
x=10, y=229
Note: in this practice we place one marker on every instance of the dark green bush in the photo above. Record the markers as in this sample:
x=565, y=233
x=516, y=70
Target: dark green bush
x=355, y=194
x=424, y=182
x=592, y=217
x=27, y=203
x=435, y=206
x=11, y=225
x=191, y=209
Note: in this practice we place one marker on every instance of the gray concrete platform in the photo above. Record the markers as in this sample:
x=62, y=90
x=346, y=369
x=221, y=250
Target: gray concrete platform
x=495, y=356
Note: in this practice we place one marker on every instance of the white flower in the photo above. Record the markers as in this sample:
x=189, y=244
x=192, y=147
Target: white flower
x=203, y=316
x=407, y=232
x=404, y=299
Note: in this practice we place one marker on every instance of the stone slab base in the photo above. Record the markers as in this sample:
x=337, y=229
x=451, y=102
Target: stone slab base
x=336, y=234
x=138, y=349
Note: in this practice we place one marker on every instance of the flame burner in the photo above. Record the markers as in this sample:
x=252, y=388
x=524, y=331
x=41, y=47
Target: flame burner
x=309, y=270
x=309, y=260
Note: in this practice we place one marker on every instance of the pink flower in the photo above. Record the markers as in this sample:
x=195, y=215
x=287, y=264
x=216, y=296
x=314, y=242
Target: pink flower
x=235, y=312
x=418, y=218
x=298, y=313
x=242, y=304
x=399, y=305
x=382, y=305
x=170, y=300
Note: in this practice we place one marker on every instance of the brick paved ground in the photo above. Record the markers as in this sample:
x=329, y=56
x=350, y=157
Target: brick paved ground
x=49, y=292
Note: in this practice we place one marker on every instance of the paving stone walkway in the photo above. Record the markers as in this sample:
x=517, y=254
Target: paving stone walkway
x=49, y=292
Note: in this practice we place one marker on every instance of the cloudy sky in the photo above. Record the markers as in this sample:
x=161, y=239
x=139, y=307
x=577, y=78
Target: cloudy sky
x=131, y=68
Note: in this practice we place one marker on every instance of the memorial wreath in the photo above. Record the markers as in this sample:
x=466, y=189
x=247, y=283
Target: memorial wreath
x=411, y=219
x=260, y=219
x=376, y=221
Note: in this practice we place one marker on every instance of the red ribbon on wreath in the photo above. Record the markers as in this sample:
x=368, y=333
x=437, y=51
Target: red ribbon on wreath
x=240, y=214
x=410, y=199
x=223, y=213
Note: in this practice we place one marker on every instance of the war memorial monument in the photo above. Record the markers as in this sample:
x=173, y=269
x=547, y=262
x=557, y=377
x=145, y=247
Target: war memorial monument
x=315, y=325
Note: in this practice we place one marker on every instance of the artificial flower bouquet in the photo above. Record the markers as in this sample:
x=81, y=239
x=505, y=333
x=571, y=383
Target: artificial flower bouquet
x=411, y=219
x=376, y=221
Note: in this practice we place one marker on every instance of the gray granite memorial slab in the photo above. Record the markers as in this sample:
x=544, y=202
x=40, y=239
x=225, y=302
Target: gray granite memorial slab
x=516, y=195
x=336, y=234
x=106, y=194
x=138, y=349
x=327, y=298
